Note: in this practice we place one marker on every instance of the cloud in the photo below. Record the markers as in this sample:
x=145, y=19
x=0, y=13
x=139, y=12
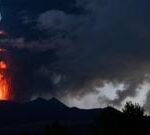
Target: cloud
x=107, y=42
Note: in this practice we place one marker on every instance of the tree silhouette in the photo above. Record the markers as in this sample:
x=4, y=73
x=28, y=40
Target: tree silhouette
x=134, y=118
x=133, y=110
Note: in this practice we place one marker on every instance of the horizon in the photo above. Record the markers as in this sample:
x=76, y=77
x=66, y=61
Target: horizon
x=71, y=106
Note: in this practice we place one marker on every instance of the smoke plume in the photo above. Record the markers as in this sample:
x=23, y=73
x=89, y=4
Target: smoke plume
x=71, y=52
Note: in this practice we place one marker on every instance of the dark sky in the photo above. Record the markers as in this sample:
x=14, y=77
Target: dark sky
x=72, y=49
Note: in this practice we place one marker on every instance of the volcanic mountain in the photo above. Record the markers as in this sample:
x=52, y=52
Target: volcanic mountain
x=16, y=117
x=41, y=109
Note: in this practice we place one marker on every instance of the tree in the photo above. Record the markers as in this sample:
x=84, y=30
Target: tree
x=133, y=118
x=133, y=110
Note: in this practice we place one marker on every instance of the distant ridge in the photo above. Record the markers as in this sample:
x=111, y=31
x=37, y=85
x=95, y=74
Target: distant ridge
x=39, y=100
x=42, y=110
x=51, y=104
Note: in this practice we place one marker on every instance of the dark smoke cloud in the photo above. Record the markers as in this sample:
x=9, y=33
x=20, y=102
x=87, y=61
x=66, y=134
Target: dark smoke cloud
x=73, y=51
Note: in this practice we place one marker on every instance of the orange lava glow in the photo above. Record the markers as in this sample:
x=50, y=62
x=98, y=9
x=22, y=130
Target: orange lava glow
x=4, y=80
x=4, y=88
x=3, y=65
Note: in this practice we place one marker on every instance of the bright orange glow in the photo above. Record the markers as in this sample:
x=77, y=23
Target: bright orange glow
x=3, y=65
x=4, y=81
x=4, y=88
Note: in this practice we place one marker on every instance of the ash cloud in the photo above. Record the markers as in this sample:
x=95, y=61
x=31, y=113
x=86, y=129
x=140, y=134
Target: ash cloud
x=76, y=50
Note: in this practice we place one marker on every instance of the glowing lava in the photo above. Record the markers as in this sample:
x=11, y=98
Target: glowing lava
x=4, y=88
x=3, y=65
x=4, y=81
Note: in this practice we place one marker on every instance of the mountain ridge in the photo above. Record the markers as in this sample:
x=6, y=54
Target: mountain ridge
x=43, y=110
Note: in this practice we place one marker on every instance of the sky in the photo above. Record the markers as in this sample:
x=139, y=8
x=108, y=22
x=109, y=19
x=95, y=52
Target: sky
x=86, y=53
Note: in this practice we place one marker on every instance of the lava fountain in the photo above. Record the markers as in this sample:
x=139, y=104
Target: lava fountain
x=5, y=79
x=5, y=87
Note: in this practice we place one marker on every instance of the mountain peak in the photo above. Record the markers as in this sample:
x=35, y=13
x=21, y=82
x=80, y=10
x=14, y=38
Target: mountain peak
x=57, y=103
x=40, y=100
x=53, y=99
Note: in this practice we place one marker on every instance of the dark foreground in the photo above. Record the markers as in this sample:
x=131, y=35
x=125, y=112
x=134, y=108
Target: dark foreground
x=42, y=117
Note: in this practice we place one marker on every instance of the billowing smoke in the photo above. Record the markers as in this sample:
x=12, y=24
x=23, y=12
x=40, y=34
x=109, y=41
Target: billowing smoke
x=73, y=51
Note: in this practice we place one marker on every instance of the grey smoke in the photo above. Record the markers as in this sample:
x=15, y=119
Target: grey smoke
x=107, y=42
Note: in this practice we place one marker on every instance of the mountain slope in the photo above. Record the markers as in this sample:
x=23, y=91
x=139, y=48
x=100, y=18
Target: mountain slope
x=41, y=110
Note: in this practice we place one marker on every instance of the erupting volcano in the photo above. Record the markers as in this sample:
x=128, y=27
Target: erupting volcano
x=5, y=88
